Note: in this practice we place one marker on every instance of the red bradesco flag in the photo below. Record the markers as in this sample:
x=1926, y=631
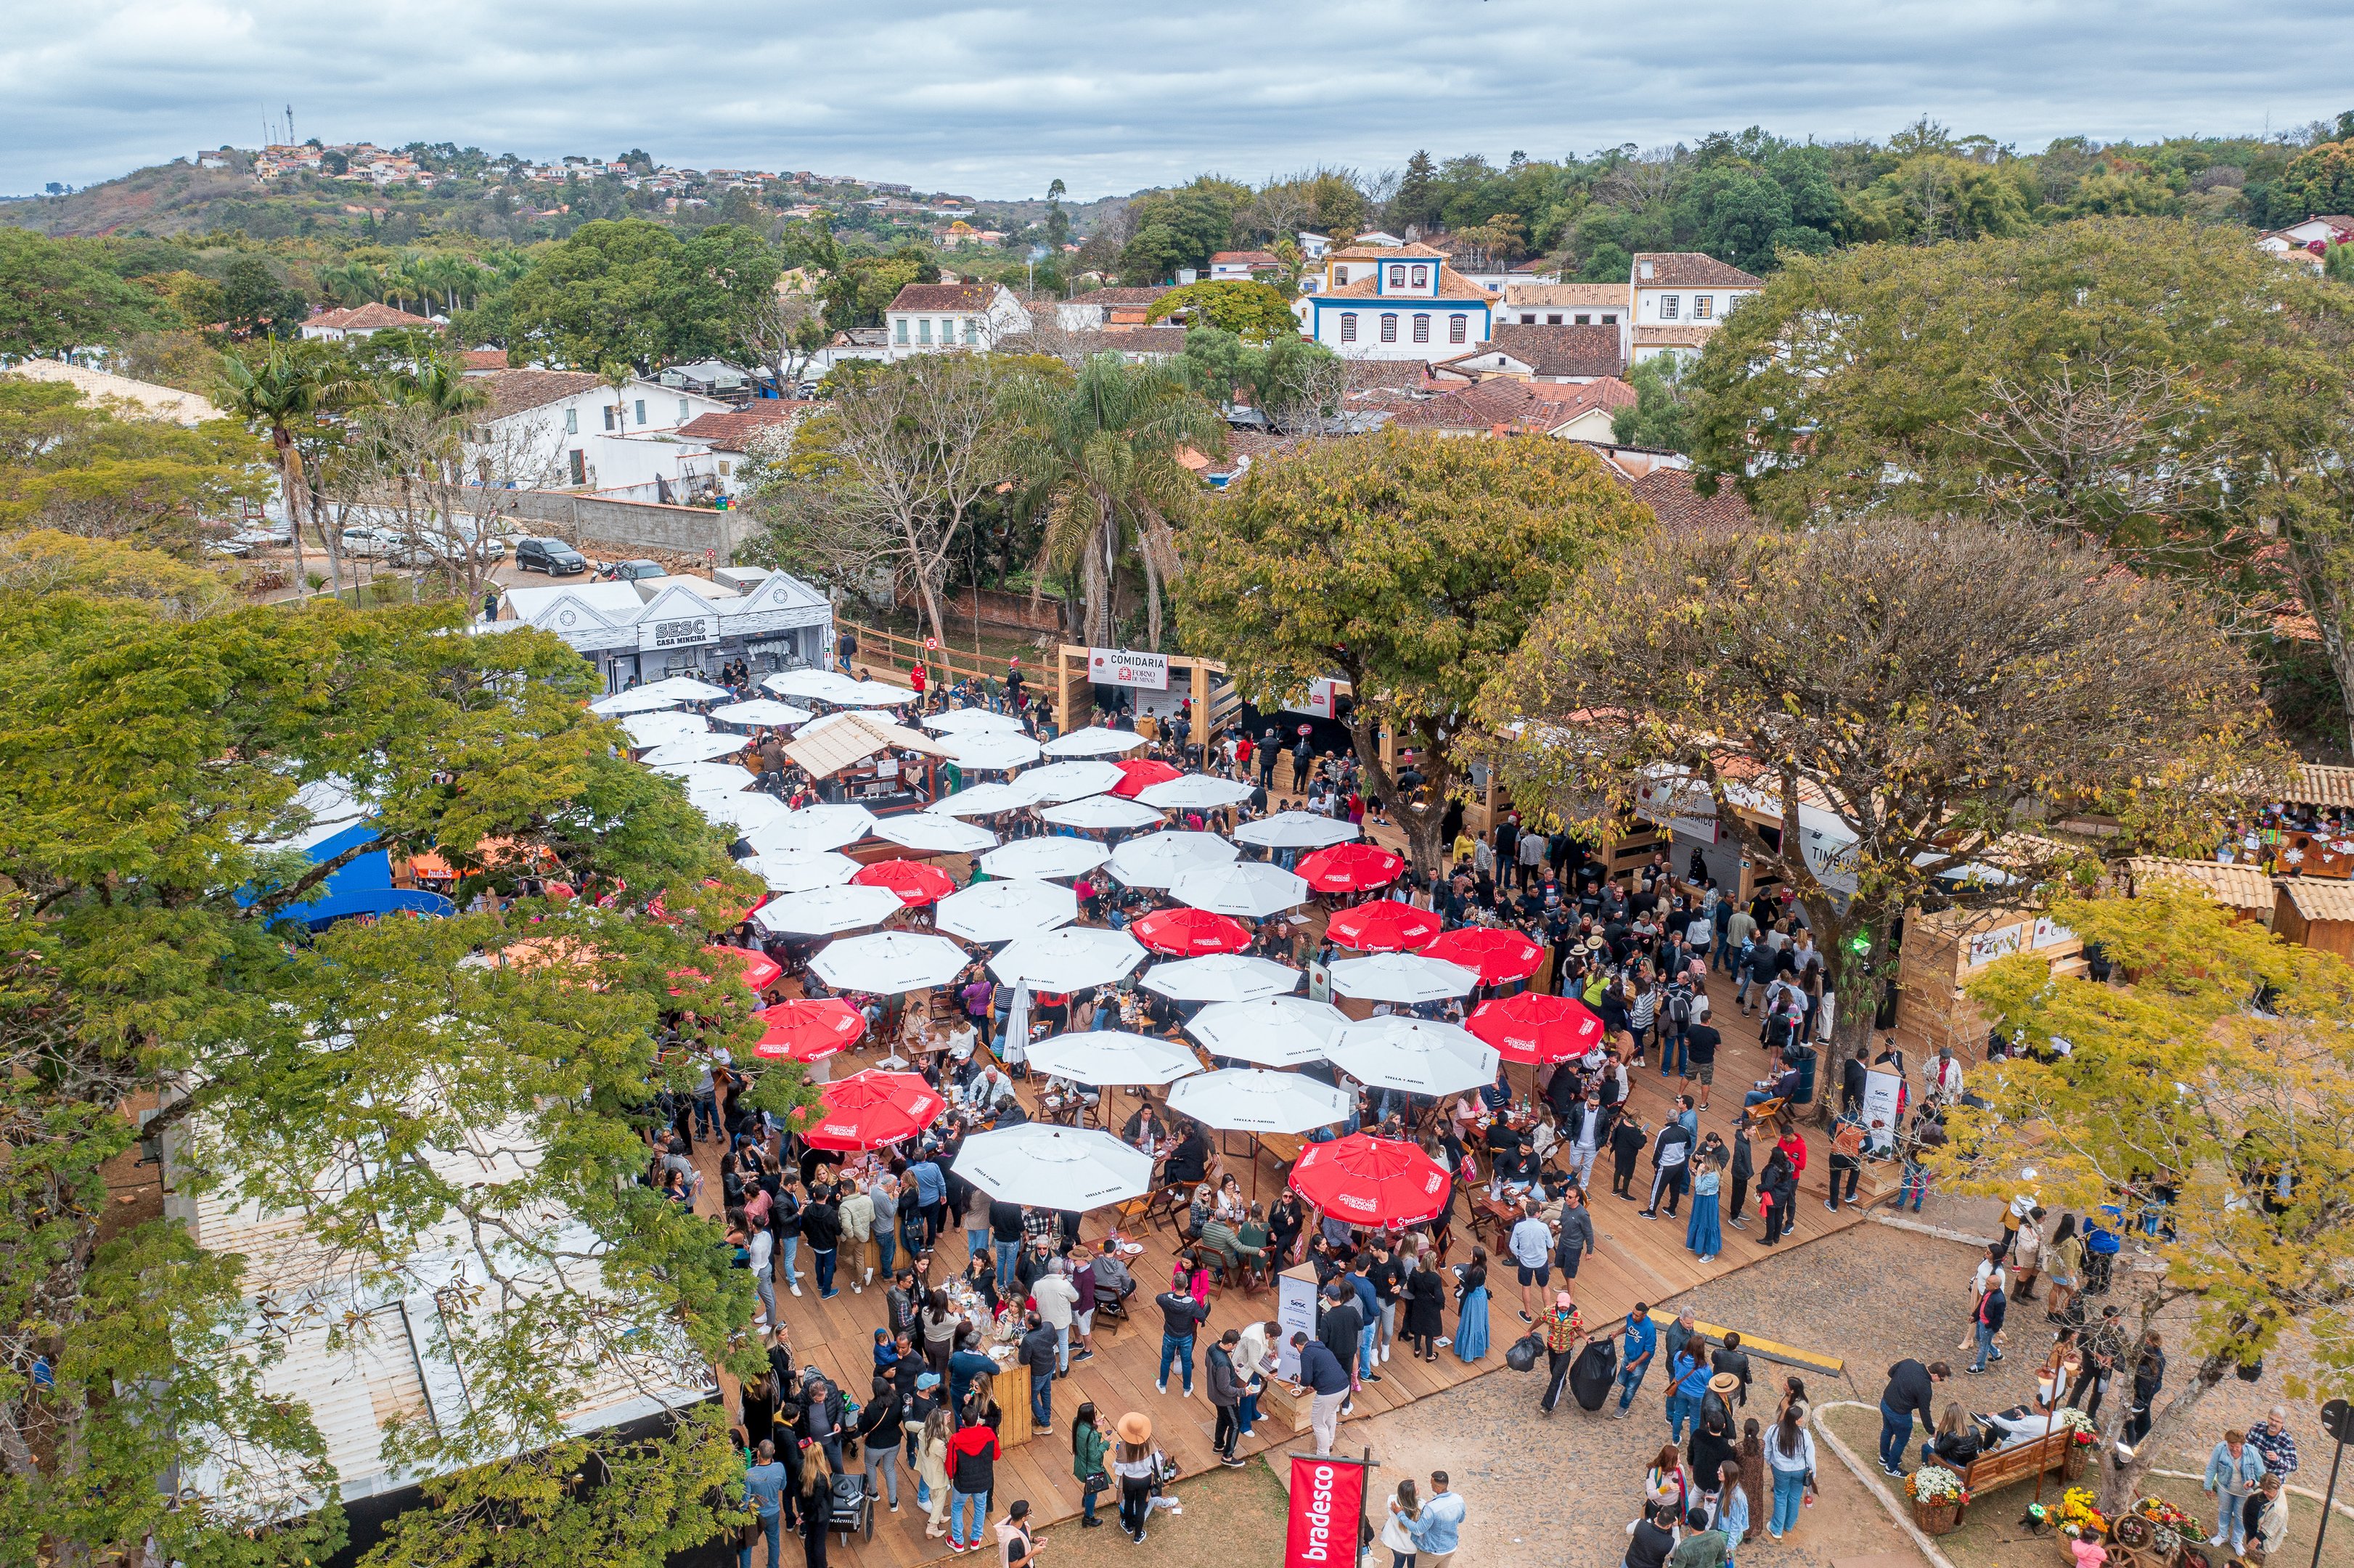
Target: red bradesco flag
x=1328, y=1500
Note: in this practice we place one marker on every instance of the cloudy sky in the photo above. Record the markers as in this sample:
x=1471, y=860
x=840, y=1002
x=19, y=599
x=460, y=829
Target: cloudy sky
x=1112, y=95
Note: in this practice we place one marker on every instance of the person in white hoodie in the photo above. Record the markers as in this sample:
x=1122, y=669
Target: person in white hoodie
x=1057, y=1300
x=1790, y=1458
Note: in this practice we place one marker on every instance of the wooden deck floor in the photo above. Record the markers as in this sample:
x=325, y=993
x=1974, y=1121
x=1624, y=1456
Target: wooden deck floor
x=1638, y=1260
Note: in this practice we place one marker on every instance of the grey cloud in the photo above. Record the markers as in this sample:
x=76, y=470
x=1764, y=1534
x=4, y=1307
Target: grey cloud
x=999, y=100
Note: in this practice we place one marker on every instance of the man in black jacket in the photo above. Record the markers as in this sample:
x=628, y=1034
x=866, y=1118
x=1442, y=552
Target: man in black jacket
x=1911, y=1390
x=1626, y=1141
x=1671, y=1168
x=1180, y=1316
x=821, y=1230
x=1040, y=1354
x=1005, y=1239
x=1576, y=1238
x=1227, y=1397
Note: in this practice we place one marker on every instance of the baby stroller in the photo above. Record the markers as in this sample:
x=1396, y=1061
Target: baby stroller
x=853, y=1508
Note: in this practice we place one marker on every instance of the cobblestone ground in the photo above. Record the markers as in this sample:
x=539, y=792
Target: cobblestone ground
x=1561, y=1491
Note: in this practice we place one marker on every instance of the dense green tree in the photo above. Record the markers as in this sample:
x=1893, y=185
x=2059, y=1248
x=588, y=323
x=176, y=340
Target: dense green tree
x=54, y=299
x=1411, y=565
x=2318, y=180
x=156, y=937
x=84, y=470
x=612, y=292
x=1198, y=218
x=1420, y=200
x=1660, y=416
x=255, y=303
x=1250, y=310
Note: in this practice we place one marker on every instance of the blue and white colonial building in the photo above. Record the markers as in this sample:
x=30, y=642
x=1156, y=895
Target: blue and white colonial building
x=1395, y=303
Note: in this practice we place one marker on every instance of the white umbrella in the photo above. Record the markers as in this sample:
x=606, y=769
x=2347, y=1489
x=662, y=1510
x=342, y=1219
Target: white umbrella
x=742, y=809
x=825, y=685
x=935, y=833
x=636, y=700
x=800, y=870
x=1071, y=959
x=1159, y=859
x=1112, y=1056
x=1295, y=830
x=1198, y=792
x=695, y=748
x=1281, y=1032
x=1402, y=977
x=823, y=911
x=813, y=828
x=973, y=721
x=668, y=724
x=1040, y=858
x=687, y=689
x=989, y=752
x=983, y=801
x=706, y=778
x=1221, y=977
x=1413, y=1054
x=1252, y=1099
x=1068, y=1169
x=761, y=710
x=1097, y=812
x=889, y=962
x=1069, y=780
x=872, y=694
x=1251, y=890
x=1005, y=911
x=1094, y=741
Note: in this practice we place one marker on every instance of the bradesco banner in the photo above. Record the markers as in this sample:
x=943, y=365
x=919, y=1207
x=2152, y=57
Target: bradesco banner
x=1126, y=667
x=1328, y=1500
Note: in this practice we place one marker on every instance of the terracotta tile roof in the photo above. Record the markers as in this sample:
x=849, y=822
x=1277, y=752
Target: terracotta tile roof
x=1690, y=269
x=1555, y=350
x=733, y=430
x=486, y=359
x=2318, y=784
x=1353, y=251
x=1482, y=406
x=945, y=297
x=1566, y=296
x=1248, y=257
x=1571, y=398
x=517, y=391
x=370, y=317
x=1669, y=337
x=1115, y=297
x=1453, y=287
x=1668, y=492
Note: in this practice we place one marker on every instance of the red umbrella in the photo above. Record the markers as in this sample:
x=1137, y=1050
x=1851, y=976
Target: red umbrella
x=758, y=970
x=912, y=880
x=1370, y=1181
x=1499, y=955
x=1139, y=774
x=1535, y=1028
x=1351, y=868
x=807, y=1031
x=1190, y=933
x=869, y=1109
x=1384, y=926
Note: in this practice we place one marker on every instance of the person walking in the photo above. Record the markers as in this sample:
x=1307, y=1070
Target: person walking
x=1642, y=1343
x=2064, y=1262
x=1180, y=1316
x=1911, y=1390
x=1986, y=1323
x=1732, y=1508
x=1779, y=1187
x=1472, y=1307
x=2235, y=1470
x=816, y=1502
x=1089, y=1449
x=1701, y=1236
x=879, y=1435
x=1131, y=1462
x=1328, y=1381
x=932, y=1470
x=763, y=1489
x=1670, y=1162
x=1790, y=1456
x=1425, y=1309
x=973, y=1476
x=1038, y=1355
x=1531, y=1244
x=1563, y=1333
x=1689, y=1367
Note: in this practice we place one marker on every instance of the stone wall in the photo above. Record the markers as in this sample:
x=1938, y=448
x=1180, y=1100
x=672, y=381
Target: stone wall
x=603, y=528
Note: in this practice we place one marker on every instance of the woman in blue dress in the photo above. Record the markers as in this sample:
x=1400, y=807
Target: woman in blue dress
x=1702, y=1235
x=1472, y=1314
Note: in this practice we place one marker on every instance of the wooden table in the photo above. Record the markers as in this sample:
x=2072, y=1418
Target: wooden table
x=1011, y=1389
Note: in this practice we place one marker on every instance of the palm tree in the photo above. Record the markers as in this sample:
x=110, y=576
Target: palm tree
x=618, y=376
x=286, y=390
x=1104, y=474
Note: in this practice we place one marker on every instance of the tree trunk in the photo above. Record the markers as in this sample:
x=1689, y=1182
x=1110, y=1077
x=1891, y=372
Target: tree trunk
x=290, y=484
x=1151, y=600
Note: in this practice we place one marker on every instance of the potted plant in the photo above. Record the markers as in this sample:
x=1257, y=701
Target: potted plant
x=1937, y=1495
x=2078, y=1451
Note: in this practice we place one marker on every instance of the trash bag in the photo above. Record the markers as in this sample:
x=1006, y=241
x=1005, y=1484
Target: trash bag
x=1522, y=1356
x=1591, y=1375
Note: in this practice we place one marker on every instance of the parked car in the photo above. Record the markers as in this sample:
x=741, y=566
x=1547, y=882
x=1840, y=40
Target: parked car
x=631, y=571
x=261, y=538
x=553, y=556
x=233, y=548
x=367, y=543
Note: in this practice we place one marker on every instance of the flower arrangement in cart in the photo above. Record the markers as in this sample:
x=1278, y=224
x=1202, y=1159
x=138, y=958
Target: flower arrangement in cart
x=1936, y=1484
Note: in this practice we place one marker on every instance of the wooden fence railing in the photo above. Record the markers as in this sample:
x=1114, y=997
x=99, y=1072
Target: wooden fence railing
x=888, y=655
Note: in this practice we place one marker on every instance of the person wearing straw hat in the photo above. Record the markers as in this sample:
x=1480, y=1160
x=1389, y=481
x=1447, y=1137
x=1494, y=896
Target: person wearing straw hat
x=1131, y=1462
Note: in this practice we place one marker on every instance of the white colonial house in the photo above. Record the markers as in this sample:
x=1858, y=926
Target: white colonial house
x=2306, y=241
x=574, y=425
x=1232, y=266
x=1404, y=302
x=1312, y=245
x=365, y=321
x=1677, y=298
x=929, y=317
x=658, y=626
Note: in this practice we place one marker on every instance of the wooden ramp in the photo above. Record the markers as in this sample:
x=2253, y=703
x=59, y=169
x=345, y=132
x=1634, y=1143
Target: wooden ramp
x=1638, y=1260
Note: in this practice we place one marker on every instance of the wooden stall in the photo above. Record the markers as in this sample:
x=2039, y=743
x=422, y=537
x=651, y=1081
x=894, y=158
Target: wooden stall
x=1946, y=950
x=861, y=753
x=2244, y=890
x=2317, y=912
x=1076, y=673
